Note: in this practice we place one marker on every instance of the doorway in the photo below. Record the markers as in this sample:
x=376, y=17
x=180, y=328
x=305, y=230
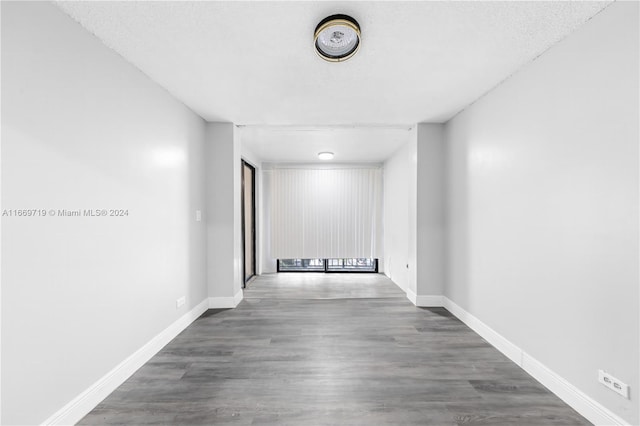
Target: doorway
x=248, y=222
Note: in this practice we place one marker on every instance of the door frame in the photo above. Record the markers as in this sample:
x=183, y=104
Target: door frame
x=245, y=279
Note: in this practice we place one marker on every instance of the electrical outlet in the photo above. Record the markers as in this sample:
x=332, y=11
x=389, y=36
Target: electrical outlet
x=181, y=301
x=198, y=215
x=614, y=384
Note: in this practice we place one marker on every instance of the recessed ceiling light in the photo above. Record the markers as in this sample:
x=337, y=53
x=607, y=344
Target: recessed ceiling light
x=325, y=155
x=337, y=38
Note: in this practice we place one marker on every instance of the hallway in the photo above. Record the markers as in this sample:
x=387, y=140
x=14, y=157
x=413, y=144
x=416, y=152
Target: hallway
x=302, y=349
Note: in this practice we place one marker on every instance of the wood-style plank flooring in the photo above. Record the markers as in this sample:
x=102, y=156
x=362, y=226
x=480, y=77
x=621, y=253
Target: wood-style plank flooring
x=330, y=349
x=310, y=285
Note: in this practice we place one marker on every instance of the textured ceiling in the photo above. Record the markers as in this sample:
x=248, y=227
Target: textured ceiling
x=253, y=62
x=302, y=144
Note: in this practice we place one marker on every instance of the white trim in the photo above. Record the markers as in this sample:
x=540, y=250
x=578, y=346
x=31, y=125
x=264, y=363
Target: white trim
x=412, y=296
x=226, y=302
x=574, y=397
x=82, y=404
x=426, y=301
x=238, y=298
x=512, y=351
x=388, y=275
x=583, y=404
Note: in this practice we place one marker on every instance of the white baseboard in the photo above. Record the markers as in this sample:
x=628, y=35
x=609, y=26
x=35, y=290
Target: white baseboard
x=399, y=286
x=424, y=301
x=81, y=405
x=226, y=302
x=583, y=404
x=412, y=296
x=238, y=298
x=513, y=352
x=574, y=397
x=429, y=301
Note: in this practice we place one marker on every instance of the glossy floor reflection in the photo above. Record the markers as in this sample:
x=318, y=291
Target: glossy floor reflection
x=283, y=358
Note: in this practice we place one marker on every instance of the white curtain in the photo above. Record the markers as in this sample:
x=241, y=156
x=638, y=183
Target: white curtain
x=326, y=213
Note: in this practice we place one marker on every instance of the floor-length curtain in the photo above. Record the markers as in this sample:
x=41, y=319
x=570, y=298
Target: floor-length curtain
x=326, y=213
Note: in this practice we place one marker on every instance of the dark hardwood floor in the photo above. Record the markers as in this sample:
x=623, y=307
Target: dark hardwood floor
x=292, y=354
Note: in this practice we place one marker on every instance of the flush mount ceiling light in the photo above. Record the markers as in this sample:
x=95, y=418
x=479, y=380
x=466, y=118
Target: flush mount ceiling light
x=325, y=155
x=337, y=38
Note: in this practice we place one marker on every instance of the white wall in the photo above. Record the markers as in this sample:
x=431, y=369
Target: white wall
x=414, y=215
x=430, y=223
x=412, y=240
x=83, y=129
x=224, y=238
x=543, y=207
x=400, y=214
x=269, y=263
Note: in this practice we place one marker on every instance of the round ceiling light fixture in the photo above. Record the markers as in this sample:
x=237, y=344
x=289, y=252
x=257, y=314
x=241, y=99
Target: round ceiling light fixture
x=325, y=155
x=337, y=38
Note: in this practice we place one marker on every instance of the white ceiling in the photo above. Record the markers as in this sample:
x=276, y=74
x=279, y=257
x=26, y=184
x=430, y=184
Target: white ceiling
x=252, y=63
x=276, y=144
